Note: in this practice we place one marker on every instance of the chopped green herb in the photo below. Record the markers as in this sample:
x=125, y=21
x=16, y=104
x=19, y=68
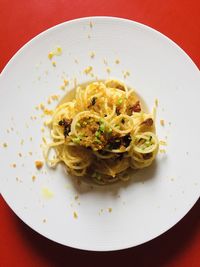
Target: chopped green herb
x=97, y=134
x=120, y=100
x=96, y=140
x=102, y=127
x=76, y=140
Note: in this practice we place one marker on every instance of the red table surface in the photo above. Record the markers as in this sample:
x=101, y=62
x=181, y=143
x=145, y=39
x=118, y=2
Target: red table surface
x=19, y=22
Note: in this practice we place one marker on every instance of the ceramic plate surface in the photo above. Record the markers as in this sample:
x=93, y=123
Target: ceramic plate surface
x=121, y=215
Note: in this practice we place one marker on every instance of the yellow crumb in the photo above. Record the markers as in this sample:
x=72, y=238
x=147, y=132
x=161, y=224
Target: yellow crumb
x=156, y=102
x=76, y=197
x=39, y=164
x=42, y=107
x=48, y=111
x=58, y=51
x=31, y=138
x=108, y=70
x=62, y=87
x=125, y=73
x=117, y=61
x=54, y=64
x=42, y=130
x=47, y=193
x=30, y=153
x=88, y=70
x=5, y=145
x=75, y=215
x=33, y=178
x=49, y=101
x=14, y=165
x=20, y=154
x=66, y=82
x=50, y=55
x=55, y=97
x=162, y=143
x=92, y=54
x=22, y=142
x=162, y=122
x=44, y=140
x=162, y=151
x=36, y=107
x=110, y=209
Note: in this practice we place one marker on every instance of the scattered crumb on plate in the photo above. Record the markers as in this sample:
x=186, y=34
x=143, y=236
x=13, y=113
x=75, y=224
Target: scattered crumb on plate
x=92, y=54
x=156, y=102
x=109, y=209
x=56, y=52
x=126, y=73
x=20, y=154
x=108, y=70
x=162, y=151
x=53, y=63
x=39, y=164
x=33, y=178
x=162, y=122
x=88, y=70
x=46, y=193
x=76, y=197
x=117, y=61
x=75, y=215
x=162, y=143
x=14, y=165
x=44, y=220
x=5, y=145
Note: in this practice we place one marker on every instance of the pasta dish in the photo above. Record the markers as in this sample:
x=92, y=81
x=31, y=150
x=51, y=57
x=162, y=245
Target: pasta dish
x=102, y=133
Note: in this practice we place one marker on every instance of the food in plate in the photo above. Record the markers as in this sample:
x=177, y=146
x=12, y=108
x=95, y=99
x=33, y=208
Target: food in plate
x=102, y=132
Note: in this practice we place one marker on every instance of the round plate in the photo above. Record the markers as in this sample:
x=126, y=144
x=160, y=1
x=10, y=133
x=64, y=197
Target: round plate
x=92, y=217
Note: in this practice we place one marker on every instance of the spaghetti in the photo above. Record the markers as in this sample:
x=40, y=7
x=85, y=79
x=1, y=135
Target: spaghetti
x=102, y=133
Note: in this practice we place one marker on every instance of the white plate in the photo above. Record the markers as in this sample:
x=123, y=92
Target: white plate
x=158, y=197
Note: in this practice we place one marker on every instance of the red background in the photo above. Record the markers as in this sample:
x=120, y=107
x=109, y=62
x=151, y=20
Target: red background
x=19, y=22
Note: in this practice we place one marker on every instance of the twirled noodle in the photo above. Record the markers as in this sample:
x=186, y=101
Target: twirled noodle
x=102, y=132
